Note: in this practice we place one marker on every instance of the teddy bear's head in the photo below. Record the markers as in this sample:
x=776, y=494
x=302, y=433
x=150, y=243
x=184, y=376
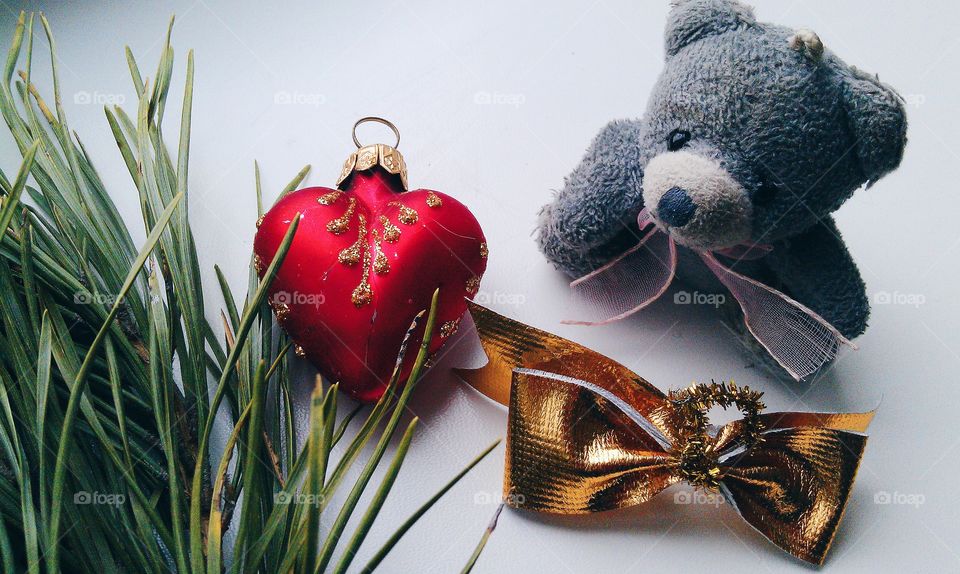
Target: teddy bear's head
x=754, y=131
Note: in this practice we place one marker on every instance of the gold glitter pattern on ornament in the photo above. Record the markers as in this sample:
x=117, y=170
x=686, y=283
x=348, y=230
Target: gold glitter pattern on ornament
x=281, y=310
x=351, y=255
x=258, y=264
x=329, y=198
x=341, y=224
x=433, y=200
x=484, y=251
x=260, y=220
x=406, y=215
x=472, y=285
x=449, y=328
x=363, y=294
x=299, y=351
x=391, y=233
x=381, y=265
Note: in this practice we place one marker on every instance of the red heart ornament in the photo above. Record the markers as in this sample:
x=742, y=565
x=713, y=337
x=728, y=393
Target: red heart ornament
x=365, y=260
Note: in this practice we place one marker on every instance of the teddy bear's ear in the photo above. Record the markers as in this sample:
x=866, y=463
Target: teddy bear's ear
x=878, y=123
x=692, y=20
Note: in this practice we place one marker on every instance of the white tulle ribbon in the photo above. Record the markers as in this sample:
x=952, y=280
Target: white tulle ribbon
x=799, y=339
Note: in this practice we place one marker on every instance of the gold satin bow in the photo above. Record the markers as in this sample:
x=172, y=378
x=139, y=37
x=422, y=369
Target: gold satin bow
x=586, y=434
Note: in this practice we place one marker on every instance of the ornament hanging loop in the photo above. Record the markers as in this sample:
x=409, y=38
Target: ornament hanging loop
x=368, y=156
x=378, y=120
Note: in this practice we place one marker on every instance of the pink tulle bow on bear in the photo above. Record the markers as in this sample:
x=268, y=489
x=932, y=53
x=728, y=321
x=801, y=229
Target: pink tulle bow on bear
x=800, y=340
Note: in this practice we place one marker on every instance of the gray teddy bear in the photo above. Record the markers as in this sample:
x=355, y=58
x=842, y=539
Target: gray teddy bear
x=754, y=133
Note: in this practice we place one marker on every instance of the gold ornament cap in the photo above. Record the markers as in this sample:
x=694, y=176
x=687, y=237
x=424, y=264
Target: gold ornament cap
x=368, y=156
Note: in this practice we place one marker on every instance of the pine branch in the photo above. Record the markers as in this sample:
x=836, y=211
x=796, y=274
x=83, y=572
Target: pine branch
x=107, y=365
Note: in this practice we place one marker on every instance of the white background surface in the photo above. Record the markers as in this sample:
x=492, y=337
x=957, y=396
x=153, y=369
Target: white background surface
x=554, y=74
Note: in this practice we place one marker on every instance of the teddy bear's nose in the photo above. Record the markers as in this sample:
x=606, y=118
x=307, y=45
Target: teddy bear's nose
x=675, y=207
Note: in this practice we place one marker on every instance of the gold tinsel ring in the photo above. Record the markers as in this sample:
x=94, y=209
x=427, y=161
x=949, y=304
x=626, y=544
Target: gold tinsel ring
x=693, y=448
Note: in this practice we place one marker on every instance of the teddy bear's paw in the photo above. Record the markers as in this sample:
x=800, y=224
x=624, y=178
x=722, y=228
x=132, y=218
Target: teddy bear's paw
x=593, y=217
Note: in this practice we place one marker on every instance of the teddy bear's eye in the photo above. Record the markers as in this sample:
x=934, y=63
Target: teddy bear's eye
x=677, y=139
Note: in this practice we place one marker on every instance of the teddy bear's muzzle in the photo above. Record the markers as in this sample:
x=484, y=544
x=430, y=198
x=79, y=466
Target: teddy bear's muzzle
x=696, y=201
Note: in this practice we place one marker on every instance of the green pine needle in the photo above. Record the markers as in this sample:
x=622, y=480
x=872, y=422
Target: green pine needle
x=112, y=379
